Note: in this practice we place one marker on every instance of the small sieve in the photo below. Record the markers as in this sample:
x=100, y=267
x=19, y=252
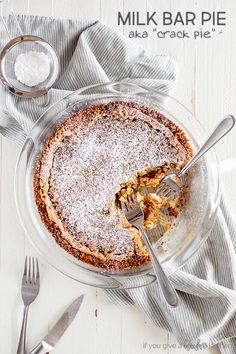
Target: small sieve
x=19, y=45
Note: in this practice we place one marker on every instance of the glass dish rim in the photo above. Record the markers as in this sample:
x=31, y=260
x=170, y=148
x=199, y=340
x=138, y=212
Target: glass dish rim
x=78, y=92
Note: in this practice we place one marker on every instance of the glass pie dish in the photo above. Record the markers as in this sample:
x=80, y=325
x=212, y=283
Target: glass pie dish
x=177, y=245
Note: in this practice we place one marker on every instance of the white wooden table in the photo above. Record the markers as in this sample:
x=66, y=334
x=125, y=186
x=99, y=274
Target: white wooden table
x=206, y=85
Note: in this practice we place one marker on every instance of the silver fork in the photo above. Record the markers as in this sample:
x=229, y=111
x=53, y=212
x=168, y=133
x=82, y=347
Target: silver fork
x=172, y=183
x=29, y=291
x=135, y=217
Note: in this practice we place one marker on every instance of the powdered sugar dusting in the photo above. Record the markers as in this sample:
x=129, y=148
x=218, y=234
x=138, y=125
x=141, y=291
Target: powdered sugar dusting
x=90, y=164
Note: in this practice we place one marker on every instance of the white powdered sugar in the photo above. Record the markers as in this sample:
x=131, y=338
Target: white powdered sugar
x=90, y=165
x=32, y=68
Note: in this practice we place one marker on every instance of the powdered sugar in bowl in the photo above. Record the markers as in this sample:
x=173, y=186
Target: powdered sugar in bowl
x=29, y=66
x=177, y=246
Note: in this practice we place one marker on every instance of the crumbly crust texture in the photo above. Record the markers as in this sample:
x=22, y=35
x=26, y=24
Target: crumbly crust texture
x=83, y=165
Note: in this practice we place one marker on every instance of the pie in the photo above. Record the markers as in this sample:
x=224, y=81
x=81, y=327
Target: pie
x=95, y=158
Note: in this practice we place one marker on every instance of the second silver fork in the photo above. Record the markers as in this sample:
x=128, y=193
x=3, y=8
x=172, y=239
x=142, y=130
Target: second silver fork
x=172, y=183
x=29, y=291
x=135, y=217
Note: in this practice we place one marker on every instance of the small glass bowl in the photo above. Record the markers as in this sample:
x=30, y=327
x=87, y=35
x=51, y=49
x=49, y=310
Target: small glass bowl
x=20, y=45
x=177, y=245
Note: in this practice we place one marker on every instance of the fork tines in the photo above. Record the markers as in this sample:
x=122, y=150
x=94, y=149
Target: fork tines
x=31, y=270
x=164, y=190
x=132, y=210
x=130, y=202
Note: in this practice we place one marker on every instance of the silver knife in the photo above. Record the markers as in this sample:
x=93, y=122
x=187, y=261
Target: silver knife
x=48, y=343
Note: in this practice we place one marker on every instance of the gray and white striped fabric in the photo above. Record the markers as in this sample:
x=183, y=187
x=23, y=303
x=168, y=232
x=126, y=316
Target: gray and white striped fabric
x=92, y=53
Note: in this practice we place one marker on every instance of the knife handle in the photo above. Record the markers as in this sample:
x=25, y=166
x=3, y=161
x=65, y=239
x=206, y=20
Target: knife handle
x=42, y=348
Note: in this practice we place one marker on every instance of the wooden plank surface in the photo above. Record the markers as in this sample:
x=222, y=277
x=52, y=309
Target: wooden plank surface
x=206, y=85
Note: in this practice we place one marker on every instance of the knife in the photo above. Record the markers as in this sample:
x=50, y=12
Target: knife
x=48, y=343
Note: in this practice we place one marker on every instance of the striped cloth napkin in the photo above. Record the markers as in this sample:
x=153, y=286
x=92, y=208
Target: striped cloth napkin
x=93, y=53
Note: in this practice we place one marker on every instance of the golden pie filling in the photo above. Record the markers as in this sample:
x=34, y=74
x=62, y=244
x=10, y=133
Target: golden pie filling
x=157, y=209
x=90, y=163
